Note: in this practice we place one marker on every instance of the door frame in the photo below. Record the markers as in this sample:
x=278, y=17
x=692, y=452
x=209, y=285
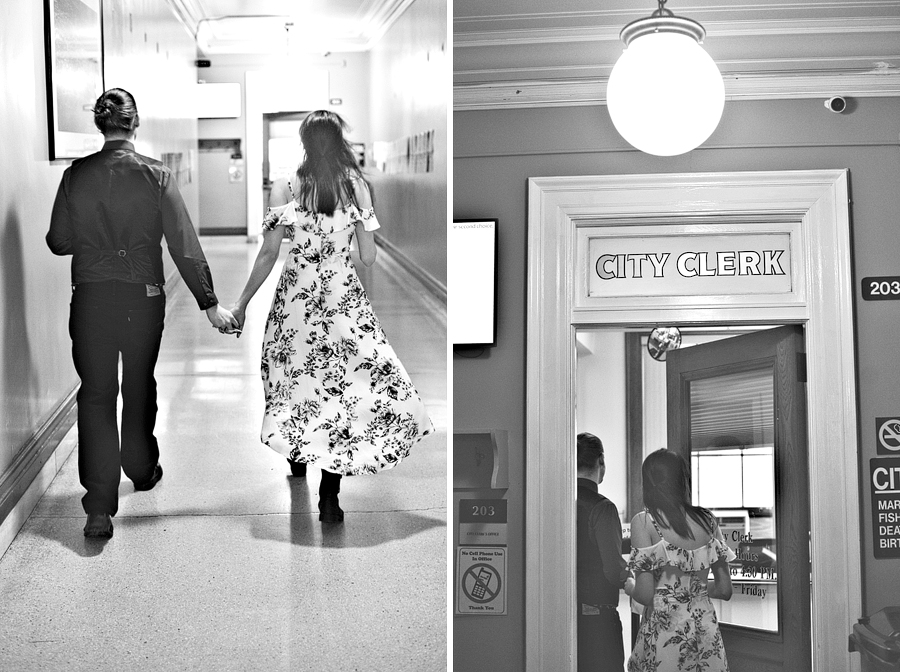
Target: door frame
x=268, y=91
x=813, y=207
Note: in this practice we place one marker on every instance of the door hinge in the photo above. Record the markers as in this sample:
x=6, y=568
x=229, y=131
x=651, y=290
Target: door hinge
x=801, y=367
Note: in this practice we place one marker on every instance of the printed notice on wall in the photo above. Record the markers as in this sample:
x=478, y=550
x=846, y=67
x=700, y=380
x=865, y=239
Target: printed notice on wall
x=482, y=522
x=885, y=480
x=481, y=581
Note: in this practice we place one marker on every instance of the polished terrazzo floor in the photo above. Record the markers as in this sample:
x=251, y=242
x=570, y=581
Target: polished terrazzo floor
x=224, y=565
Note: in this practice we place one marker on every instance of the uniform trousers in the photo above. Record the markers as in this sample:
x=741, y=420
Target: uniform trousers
x=108, y=319
x=600, y=646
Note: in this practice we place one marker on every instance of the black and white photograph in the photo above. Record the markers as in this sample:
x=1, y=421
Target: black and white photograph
x=450, y=336
x=678, y=449
x=224, y=285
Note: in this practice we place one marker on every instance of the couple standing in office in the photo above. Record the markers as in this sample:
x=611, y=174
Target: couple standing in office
x=675, y=546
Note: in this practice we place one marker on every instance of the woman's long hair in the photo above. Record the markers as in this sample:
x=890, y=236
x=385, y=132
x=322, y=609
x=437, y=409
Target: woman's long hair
x=325, y=176
x=666, y=482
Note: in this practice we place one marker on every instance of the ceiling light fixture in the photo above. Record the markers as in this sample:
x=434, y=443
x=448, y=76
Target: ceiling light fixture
x=665, y=94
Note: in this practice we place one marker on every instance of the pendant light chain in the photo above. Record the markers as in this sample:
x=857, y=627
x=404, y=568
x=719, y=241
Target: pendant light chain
x=662, y=11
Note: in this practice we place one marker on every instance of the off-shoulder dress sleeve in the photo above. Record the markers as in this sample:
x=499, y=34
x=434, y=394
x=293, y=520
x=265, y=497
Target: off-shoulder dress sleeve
x=282, y=215
x=662, y=553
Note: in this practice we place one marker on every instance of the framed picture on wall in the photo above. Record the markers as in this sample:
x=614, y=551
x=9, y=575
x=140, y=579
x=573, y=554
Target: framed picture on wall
x=73, y=48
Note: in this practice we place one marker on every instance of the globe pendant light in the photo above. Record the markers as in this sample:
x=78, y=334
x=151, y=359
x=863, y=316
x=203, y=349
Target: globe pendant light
x=665, y=94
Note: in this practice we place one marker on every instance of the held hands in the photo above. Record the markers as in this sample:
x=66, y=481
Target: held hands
x=240, y=315
x=223, y=320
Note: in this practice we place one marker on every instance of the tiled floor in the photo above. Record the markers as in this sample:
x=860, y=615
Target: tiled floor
x=224, y=565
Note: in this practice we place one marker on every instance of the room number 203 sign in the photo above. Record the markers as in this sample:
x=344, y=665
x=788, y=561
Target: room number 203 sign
x=881, y=289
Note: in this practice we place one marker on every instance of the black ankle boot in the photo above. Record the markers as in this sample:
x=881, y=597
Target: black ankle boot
x=297, y=468
x=329, y=508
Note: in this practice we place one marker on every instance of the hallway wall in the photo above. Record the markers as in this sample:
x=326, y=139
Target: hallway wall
x=495, y=152
x=409, y=94
x=347, y=79
x=150, y=53
x=37, y=371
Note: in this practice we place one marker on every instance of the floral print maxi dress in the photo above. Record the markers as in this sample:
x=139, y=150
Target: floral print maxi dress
x=337, y=396
x=680, y=631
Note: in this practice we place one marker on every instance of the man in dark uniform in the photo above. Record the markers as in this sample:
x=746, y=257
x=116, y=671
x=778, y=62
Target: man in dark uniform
x=601, y=568
x=112, y=211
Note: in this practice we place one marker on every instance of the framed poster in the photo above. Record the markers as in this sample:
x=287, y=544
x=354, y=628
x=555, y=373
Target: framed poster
x=73, y=47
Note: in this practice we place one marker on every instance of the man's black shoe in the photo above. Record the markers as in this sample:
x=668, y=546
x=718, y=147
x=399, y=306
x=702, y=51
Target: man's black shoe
x=98, y=526
x=148, y=485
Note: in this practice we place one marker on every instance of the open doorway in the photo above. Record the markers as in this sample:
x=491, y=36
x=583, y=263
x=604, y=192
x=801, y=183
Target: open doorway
x=732, y=401
x=282, y=149
x=579, y=229
x=223, y=195
x=265, y=92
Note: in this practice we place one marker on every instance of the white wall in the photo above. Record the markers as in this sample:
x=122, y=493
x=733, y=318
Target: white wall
x=410, y=91
x=35, y=358
x=348, y=79
x=152, y=56
x=600, y=405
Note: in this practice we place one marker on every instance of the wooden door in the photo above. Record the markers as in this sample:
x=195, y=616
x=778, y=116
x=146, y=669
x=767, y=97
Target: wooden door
x=737, y=410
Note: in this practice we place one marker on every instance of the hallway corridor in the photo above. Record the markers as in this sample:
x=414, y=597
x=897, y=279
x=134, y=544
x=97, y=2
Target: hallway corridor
x=224, y=565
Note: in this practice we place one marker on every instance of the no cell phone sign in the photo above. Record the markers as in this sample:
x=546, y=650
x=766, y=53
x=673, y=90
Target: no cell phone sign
x=481, y=586
x=888, y=432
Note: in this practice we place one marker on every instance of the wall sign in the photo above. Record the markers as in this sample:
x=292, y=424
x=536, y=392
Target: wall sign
x=888, y=432
x=236, y=168
x=884, y=475
x=482, y=522
x=881, y=289
x=481, y=581
x=689, y=265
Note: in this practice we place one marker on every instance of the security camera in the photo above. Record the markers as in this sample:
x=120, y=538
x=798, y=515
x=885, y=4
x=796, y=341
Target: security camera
x=836, y=104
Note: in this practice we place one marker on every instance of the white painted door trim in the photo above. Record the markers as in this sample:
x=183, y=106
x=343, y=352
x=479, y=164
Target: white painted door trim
x=267, y=91
x=813, y=204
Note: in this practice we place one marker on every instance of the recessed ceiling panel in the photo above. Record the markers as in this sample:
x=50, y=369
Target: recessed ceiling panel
x=287, y=26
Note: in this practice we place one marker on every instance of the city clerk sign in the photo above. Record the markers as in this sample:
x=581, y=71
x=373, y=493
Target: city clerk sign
x=689, y=265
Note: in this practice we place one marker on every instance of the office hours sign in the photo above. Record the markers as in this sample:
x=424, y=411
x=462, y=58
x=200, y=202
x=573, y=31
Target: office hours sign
x=689, y=265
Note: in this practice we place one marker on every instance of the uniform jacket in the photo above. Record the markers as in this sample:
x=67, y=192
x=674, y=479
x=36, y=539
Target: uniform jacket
x=111, y=212
x=601, y=568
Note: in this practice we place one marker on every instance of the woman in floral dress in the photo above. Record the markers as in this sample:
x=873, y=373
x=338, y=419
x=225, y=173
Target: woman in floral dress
x=674, y=547
x=337, y=396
